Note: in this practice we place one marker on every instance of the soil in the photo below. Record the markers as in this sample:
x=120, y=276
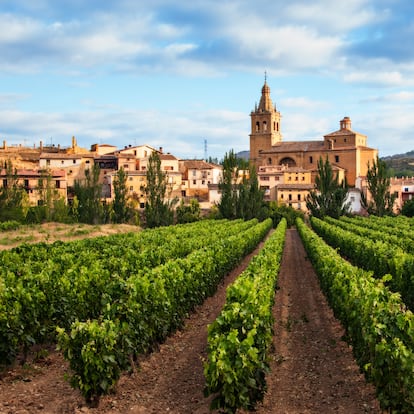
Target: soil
x=312, y=368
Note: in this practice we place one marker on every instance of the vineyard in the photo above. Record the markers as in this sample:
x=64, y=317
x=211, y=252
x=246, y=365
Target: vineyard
x=108, y=302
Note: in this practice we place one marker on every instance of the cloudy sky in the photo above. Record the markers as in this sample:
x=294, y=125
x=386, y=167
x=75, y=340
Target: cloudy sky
x=178, y=74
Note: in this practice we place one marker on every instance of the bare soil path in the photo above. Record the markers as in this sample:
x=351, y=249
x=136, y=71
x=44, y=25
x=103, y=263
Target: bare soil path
x=313, y=370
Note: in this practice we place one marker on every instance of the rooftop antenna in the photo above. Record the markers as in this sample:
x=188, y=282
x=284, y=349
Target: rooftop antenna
x=265, y=76
x=205, y=150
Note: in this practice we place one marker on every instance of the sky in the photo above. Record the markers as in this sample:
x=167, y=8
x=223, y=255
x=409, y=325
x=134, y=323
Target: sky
x=186, y=75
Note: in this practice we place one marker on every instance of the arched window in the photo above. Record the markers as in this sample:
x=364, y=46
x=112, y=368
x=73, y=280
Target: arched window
x=257, y=126
x=288, y=161
x=269, y=161
x=264, y=126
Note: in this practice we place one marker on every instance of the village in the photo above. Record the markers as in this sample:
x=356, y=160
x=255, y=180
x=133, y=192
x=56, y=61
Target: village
x=286, y=170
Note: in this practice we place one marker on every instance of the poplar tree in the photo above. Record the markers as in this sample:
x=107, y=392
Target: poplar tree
x=120, y=207
x=14, y=201
x=378, y=184
x=329, y=196
x=158, y=209
x=88, y=193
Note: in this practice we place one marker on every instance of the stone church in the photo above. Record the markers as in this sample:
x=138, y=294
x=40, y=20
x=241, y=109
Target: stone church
x=287, y=169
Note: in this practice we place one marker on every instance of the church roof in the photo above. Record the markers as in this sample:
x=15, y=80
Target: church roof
x=343, y=132
x=295, y=146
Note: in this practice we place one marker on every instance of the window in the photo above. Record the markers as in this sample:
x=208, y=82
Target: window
x=131, y=188
x=130, y=178
x=276, y=178
x=88, y=161
x=296, y=178
x=194, y=182
x=298, y=197
x=311, y=160
x=406, y=189
x=336, y=158
x=26, y=183
x=194, y=173
x=62, y=162
x=257, y=127
x=126, y=166
x=203, y=181
x=290, y=197
x=57, y=184
x=265, y=178
x=47, y=162
x=303, y=178
x=264, y=126
x=74, y=161
x=269, y=161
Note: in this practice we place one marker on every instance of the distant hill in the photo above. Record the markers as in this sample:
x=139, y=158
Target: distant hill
x=243, y=154
x=401, y=165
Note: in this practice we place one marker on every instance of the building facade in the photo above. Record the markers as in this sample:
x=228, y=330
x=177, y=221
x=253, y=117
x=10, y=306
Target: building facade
x=346, y=150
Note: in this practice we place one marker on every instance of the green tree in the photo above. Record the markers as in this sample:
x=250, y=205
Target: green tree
x=158, y=208
x=88, y=194
x=121, y=210
x=382, y=201
x=228, y=186
x=329, y=196
x=241, y=196
x=250, y=197
x=52, y=206
x=14, y=201
x=188, y=213
x=408, y=208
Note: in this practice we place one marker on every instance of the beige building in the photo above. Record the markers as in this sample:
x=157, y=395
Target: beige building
x=197, y=177
x=35, y=183
x=346, y=150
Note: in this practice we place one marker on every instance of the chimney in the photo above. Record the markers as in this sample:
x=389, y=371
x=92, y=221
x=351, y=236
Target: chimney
x=4, y=144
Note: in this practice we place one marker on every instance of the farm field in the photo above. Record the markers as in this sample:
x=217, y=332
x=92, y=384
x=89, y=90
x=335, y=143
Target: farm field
x=312, y=370
x=50, y=232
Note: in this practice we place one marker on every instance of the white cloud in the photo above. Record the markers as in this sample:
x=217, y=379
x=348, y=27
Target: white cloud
x=333, y=16
x=377, y=77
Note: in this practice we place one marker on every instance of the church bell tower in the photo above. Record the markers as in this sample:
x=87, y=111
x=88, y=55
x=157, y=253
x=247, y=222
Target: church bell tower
x=265, y=126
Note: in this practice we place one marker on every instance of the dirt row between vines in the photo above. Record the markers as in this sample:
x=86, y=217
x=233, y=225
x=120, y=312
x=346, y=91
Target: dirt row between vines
x=312, y=368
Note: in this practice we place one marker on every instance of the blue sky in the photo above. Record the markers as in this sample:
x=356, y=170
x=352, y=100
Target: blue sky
x=177, y=74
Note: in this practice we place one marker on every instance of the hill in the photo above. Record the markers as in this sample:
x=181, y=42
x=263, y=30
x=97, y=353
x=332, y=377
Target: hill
x=400, y=165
